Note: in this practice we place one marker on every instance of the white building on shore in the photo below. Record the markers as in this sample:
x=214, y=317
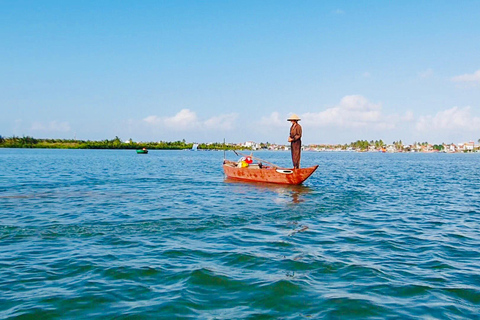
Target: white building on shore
x=252, y=144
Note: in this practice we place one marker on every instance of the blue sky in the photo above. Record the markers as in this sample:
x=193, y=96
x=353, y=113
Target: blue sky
x=208, y=70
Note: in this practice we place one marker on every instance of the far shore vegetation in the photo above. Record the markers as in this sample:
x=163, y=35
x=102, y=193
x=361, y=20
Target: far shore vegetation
x=117, y=143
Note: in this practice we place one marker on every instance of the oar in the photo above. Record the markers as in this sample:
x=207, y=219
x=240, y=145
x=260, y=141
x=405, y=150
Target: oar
x=274, y=165
x=224, y=149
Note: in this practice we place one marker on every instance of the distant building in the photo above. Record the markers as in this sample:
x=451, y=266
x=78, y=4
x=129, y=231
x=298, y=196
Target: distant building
x=391, y=148
x=253, y=145
x=469, y=146
x=450, y=148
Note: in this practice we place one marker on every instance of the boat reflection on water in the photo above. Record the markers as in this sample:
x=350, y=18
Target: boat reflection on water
x=297, y=193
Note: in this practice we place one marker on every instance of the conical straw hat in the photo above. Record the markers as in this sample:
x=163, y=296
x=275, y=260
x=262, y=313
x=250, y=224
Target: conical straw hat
x=293, y=117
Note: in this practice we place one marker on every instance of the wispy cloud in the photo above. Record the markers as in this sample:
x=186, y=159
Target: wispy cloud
x=183, y=120
x=187, y=120
x=354, y=111
x=426, y=73
x=339, y=11
x=353, y=117
x=224, y=122
x=274, y=119
x=474, y=77
x=50, y=127
x=451, y=119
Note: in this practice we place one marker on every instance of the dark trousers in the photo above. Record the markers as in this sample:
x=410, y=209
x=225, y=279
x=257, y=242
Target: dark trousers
x=296, y=147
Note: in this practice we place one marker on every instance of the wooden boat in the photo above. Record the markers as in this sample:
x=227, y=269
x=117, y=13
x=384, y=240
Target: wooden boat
x=142, y=151
x=270, y=174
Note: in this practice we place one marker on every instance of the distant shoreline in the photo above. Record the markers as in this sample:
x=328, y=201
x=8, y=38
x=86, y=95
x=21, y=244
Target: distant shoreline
x=115, y=144
x=240, y=149
x=118, y=144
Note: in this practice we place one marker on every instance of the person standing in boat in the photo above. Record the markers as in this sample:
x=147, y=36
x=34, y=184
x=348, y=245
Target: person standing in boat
x=295, y=140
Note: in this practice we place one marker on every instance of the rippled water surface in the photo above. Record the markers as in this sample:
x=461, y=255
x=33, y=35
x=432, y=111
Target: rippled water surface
x=112, y=234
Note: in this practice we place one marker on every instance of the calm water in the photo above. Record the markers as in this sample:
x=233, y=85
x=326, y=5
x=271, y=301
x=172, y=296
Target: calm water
x=112, y=234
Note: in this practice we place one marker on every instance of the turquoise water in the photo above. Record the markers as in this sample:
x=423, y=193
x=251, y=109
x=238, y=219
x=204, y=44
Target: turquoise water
x=112, y=234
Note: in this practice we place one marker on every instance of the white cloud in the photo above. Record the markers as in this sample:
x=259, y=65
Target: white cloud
x=184, y=119
x=187, y=120
x=52, y=126
x=408, y=116
x=475, y=77
x=273, y=120
x=426, y=73
x=224, y=122
x=353, y=111
x=366, y=74
x=354, y=117
x=153, y=120
x=339, y=11
x=451, y=119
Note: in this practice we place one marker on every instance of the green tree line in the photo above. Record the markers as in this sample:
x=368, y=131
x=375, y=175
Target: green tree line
x=116, y=143
x=364, y=144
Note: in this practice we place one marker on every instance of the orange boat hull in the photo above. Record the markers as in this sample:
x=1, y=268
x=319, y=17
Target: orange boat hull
x=269, y=174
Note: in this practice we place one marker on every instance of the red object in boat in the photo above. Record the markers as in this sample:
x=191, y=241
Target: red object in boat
x=268, y=174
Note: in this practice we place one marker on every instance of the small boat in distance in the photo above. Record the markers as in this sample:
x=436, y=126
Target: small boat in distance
x=243, y=170
x=142, y=151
